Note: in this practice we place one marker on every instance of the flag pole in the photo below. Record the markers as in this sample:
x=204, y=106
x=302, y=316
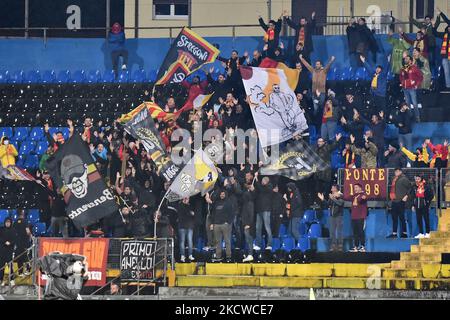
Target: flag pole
x=158, y=210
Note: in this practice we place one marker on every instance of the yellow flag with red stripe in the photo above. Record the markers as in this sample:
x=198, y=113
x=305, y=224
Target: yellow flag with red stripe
x=155, y=111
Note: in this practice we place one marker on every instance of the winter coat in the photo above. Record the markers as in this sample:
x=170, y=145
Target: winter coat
x=420, y=202
x=424, y=66
x=411, y=77
x=336, y=206
x=324, y=153
x=308, y=46
x=23, y=239
x=403, y=121
x=248, y=209
x=295, y=201
x=220, y=89
x=7, y=235
x=402, y=188
x=368, y=155
x=116, y=41
x=186, y=216
x=395, y=160
x=222, y=212
x=381, y=88
x=264, y=194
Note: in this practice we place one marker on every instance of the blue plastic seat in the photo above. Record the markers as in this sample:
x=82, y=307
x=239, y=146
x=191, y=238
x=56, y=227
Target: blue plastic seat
x=14, y=215
x=33, y=76
x=17, y=77
x=79, y=76
x=39, y=229
x=138, y=76
x=124, y=77
x=21, y=133
x=276, y=244
x=63, y=76
x=33, y=216
x=20, y=161
x=94, y=76
x=288, y=244
x=48, y=76
x=331, y=74
x=315, y=231
x=152, y=76
x=27, y=147
x=283, y=230
x=31, y=162
x=309, y=216
x=360, y=73
x=302, y=228
x=41, y=147
x=3, y=215
x=65, y=131
x=6, y=131
x=4, y=76
x=304, y=244
x=37, y=134
x=109, y=77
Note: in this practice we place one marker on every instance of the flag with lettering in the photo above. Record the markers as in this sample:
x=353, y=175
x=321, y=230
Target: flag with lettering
x=188, y=53
x=296, y=161
x=86, y=195
x=142, y=127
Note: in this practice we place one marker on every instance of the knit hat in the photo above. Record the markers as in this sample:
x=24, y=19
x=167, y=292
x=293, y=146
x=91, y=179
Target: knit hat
x=394, y=145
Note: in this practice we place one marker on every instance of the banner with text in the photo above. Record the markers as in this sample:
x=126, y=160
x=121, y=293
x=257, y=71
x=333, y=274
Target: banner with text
x=137, y=260
x=95, y=251
x=373, y=182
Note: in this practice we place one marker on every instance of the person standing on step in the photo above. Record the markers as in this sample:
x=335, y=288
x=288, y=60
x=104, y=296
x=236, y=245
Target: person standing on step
x=296, y=210
x=248, y=219
x=263, y=208
x=398, y=194
x=116, y=42
x=335, y=203
x=422, y=194
x=7, y=243
x=186, y=223
x=359, y=214
x=222, y=219
x=445, y=46
x=411, y=80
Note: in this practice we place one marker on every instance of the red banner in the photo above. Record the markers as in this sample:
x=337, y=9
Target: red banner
x=95, y=250
x=373, y=182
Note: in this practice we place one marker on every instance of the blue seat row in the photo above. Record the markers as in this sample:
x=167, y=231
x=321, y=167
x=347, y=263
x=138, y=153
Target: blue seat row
x=77, y=76
x=33, y=215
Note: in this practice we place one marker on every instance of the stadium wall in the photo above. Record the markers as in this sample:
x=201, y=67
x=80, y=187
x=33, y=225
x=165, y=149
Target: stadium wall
x=93, y=54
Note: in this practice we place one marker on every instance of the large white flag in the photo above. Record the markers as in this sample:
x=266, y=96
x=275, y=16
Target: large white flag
x=274, y=105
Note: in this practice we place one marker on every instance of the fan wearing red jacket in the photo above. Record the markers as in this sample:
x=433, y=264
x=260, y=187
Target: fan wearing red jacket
x=359, y=214
x=410, y=80
x=195, y=89
x=440, y=154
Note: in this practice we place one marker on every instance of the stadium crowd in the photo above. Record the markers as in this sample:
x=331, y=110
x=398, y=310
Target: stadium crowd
x=245, y=206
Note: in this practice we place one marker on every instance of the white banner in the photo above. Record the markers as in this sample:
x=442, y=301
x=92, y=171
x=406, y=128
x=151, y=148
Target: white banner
x=274, y=105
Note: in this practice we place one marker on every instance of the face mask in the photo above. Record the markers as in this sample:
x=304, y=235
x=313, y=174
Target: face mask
x=6, y=142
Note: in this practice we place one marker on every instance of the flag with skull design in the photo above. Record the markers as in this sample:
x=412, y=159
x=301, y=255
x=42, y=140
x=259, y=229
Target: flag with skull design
x=76, y=177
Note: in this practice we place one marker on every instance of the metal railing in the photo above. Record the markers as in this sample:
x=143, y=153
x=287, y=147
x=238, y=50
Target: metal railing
x=326, y=25
x=445, y=188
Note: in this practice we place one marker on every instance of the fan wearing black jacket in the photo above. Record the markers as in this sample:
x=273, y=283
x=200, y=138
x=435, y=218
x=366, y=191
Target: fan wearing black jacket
x=222, y=219
x=422, y=195
x=186, y=222
x=248, y=219
x=303, y=33
x=295, y=209
x=8, y=239
x=278, y=211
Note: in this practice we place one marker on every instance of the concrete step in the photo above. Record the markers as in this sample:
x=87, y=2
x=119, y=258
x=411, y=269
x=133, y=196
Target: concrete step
x=312, y=282
x=409, y=264
x=435, y=241
x=440, y=234
x=402, y=273
x=430, y=248
x=421, y=256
